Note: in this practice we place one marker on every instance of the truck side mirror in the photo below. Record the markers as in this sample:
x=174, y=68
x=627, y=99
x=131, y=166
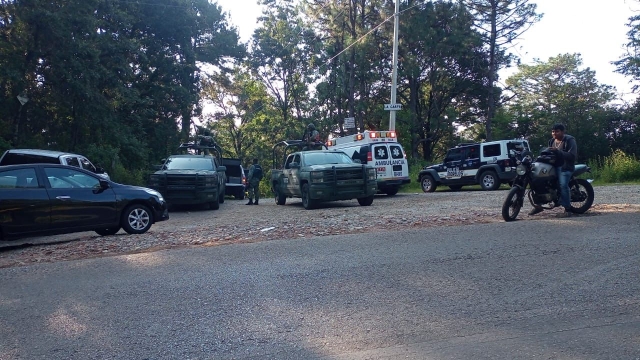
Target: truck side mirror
x=357, y=161
x=222, y=168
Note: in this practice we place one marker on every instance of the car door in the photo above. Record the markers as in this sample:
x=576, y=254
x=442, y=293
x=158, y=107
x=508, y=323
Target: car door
x=286, y=175
x=453, y=165
x=293, y=184
x=77, y=200
x=24, y=205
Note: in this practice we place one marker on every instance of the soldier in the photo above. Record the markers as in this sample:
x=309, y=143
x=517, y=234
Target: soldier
x=253, y=182
x=311, y=136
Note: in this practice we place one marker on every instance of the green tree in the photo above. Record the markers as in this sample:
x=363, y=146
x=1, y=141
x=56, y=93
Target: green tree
x=501, y=22
x=559, y=91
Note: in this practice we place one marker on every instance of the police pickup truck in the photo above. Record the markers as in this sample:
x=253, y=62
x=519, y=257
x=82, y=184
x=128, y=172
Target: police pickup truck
x=317, y=176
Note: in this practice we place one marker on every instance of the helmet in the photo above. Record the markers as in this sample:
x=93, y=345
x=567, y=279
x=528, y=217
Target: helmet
x=311, y=127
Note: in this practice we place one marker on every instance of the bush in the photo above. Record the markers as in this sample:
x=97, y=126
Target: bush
x=415, y=166
x=616, y=168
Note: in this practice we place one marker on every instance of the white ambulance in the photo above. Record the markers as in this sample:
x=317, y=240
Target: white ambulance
x=381, y=150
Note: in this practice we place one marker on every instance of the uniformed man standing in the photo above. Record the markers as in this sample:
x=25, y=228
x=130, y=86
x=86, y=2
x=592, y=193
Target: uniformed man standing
x=311, y=136
x=253, y=182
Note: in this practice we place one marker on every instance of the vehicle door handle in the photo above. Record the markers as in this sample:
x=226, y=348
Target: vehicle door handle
x=63, y=197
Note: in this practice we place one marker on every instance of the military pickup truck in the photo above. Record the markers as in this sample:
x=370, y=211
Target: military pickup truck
x=194, y=178
x=319, y=175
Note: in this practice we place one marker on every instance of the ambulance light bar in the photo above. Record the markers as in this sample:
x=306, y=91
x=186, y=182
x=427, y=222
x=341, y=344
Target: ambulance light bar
x=372, y=135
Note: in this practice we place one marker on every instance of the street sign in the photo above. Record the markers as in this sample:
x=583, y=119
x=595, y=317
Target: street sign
x=393, y=106
x=350, y=123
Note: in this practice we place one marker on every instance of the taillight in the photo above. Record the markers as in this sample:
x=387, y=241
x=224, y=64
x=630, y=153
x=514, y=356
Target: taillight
x=244, y=180
x=369, y=156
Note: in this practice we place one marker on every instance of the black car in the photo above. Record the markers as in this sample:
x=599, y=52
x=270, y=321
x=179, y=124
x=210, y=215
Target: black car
x=46, y=199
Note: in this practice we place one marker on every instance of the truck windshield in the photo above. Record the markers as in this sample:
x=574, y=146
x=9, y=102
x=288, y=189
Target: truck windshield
x=185, y=163
x=321, y=158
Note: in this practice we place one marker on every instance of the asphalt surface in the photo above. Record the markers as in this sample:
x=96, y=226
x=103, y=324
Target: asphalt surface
x=551, y=289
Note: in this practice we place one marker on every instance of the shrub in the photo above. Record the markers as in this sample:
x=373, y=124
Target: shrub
x=615, y=168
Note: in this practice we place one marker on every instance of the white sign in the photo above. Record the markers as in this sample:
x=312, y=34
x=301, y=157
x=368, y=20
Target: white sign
x=393, y=106
x=349, y=123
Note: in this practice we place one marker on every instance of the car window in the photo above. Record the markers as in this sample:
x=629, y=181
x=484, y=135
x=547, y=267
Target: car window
x=473, y=152
x=296, y=159
x=73, y=161
x=87, y=165
x=491, y=150
x=189, y=163
x=12, y=158
x=18, y=179
x=455, y=154
x=288, y=162
x=320, y=158
x=61, y=178
x=396, y=152
x=380, y=152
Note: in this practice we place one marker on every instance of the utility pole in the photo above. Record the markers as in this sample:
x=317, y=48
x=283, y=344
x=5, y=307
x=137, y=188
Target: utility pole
x=394, y=76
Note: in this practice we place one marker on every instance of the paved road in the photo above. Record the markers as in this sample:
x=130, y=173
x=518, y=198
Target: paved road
x=552, y=289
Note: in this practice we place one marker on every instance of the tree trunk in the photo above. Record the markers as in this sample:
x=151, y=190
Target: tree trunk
x=492, y=72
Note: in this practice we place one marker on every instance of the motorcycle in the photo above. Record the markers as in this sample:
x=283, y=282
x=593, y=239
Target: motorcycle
x=539, y=182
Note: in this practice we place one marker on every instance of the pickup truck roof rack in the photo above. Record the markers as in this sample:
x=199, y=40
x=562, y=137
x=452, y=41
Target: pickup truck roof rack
x=301, y=145
x=204, y=145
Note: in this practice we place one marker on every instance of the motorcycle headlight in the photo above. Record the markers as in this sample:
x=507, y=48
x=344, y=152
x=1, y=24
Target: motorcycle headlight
x=521, y=169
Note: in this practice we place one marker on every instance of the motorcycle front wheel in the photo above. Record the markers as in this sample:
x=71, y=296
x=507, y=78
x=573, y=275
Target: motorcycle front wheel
x=581, y=195
x=512, y=204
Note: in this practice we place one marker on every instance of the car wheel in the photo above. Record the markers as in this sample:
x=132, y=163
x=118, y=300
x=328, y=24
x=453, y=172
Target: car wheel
x=427, y=183
x=280, y=198
x=489, y=180
x=137, y=219
x=108, y=231
x=365, y=201
x=215, y=205
x=307, y=202
x=221, y=198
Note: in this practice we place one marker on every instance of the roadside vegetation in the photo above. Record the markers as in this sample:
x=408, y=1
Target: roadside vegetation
x=133, y=87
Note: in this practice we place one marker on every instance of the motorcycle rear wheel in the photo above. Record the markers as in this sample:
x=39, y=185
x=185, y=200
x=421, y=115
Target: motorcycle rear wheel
x=581, y=195
x=512, y=205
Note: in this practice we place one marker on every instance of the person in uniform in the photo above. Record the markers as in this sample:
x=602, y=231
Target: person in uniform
x=253, y=182
x=311, y=136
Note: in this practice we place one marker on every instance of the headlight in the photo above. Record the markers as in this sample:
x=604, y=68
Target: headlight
x=211, y=180
x=316, y=176
x=521, y=169
x=154, y=193
x=371, y=174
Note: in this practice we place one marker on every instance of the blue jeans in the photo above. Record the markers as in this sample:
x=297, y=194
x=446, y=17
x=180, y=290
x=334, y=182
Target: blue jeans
x=563, y=180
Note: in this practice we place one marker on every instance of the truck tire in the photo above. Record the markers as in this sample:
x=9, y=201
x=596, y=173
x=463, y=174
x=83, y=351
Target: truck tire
x=391, y=191
x=365, y=201
x=239, y=194
x=307, y=202
x=427, y=183
x=221, y=198
x=489, y=180
x=280, y=198
x=215, y=205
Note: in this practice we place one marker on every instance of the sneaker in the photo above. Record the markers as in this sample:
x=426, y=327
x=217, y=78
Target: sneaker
x=565, y=214
x=536, y=210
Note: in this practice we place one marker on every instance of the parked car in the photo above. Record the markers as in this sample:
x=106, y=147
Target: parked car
x=37, y=156
x=236, y=179
x=486, y=164
x=47, y=199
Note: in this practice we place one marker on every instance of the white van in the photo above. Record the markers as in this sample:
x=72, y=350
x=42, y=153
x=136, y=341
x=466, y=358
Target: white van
x=381, y=150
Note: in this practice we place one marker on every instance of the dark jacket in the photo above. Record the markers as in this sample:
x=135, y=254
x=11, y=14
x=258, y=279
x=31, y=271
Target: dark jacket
x=569, y=151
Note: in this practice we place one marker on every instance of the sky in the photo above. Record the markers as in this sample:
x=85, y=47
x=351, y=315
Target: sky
x=594, y=28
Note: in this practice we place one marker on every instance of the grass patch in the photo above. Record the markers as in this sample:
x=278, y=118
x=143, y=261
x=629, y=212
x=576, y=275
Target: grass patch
x=615, y=168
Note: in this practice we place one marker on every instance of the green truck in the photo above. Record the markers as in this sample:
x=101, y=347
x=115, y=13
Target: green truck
x=319, y=175
x=193, y=178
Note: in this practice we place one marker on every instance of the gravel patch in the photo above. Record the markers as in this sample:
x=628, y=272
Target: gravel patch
x=238, y=223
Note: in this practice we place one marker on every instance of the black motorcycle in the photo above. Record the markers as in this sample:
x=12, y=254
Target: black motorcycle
x=538, y=180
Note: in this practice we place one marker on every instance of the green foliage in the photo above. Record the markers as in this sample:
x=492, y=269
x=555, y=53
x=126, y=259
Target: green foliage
x=616, y=168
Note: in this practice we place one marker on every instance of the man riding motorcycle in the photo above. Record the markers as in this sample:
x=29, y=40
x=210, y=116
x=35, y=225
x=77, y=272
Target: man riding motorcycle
x=566, y=150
